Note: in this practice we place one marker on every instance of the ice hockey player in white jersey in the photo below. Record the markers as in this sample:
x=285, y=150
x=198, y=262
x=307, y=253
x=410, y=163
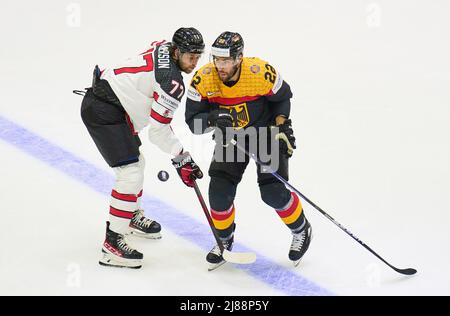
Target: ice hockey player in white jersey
x=142, y=91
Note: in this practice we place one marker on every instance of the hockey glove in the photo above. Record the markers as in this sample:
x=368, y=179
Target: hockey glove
x=187, y=169
x=222, y=120
x=286, y=138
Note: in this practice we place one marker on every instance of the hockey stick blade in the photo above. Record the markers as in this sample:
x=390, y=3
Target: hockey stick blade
x=239, y=257
x=408, y=271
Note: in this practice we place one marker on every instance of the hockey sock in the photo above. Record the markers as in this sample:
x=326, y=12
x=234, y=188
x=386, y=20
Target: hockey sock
x=139, y=200
x=292, y=214
x=121, y=211
x=223, y=221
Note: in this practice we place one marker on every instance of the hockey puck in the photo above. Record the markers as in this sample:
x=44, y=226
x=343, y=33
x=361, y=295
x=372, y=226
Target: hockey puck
x=163, y=175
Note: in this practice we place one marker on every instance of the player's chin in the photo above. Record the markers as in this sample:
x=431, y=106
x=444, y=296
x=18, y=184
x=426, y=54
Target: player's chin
x=188, y=70
x=224, y=77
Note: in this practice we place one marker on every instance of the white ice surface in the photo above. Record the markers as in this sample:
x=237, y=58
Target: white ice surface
x=371, y=113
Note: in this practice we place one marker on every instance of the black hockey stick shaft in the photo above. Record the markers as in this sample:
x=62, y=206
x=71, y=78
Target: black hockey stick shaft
x=208, y=216
x=408, y=271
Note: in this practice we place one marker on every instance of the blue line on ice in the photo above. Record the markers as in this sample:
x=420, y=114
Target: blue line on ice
x=270, y=273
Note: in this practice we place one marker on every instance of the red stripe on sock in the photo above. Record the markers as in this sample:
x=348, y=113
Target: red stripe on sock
x=224, y=215
x=140, y=194
x=120, y=213
x=124, y=197
x=290, y=210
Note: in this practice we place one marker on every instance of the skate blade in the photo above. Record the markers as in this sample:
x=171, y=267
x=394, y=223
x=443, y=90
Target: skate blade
x=213, y=266
x=137, y=233
x=118, y=266
x=110, y=260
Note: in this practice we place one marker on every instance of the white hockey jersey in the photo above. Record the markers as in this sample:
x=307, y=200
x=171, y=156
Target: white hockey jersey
x=150, y=88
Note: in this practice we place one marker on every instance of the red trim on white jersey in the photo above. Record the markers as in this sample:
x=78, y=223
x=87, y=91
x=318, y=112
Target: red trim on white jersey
x=134, y=70
x=158, y=117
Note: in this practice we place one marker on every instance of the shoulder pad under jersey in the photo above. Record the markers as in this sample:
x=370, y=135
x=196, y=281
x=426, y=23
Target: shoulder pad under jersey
x=259, y=77
x=167, y=74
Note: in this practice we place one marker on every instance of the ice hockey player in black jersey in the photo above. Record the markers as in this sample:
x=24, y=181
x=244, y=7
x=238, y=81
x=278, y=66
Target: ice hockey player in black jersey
x=145, y=90
x=238, y=93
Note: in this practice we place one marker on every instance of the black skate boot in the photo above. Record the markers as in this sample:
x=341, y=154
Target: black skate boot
x=117, y=253
x=300, y=243
x=144, y=227
x=215, y=258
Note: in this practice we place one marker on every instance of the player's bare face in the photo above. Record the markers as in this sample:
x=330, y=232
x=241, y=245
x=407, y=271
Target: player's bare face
x=188, y=61
x=226, y=67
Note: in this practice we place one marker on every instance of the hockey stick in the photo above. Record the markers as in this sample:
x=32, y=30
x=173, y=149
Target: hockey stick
x=408, y=271
x=233, y=257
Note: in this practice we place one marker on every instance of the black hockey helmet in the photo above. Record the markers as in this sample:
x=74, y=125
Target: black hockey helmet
x=228, y=44
x=188, y=40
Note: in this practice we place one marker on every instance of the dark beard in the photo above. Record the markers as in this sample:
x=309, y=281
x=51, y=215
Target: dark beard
x=230, y=83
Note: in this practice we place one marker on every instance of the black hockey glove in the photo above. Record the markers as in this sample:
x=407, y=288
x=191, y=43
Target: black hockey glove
x=187, y=169
x=286, y=138
x=223, y=121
